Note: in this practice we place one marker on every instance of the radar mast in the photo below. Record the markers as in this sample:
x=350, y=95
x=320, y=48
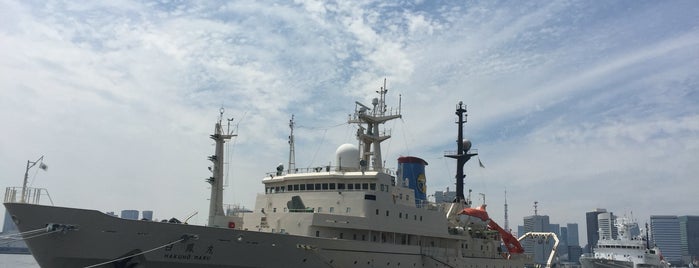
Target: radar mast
x=216, y=181
x=463, y=153
x=370, y=134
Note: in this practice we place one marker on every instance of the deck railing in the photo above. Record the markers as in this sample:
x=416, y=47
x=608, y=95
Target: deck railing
x=31, y=195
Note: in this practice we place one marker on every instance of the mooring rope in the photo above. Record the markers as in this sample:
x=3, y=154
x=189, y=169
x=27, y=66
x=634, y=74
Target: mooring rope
x=30, y=234
x=182, y=239
x=39, y=235
x=19, y=235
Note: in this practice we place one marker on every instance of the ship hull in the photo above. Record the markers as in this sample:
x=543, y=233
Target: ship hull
x=93, y=237
x=589, y=262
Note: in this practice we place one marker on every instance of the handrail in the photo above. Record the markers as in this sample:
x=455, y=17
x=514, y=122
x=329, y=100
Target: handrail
x=326, y=168
x=32, y=195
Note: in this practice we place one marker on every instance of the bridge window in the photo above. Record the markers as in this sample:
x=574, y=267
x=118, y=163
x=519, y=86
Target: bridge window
x=350, y=186
x=365, y=186
x=372, y=186
x=340, y=186
x=325, y=186
x=332, y=186
x=309, y=187
x=302, y=187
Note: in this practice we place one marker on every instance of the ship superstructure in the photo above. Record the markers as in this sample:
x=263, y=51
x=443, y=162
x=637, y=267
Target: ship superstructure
x=353, y=213
x=627, y=251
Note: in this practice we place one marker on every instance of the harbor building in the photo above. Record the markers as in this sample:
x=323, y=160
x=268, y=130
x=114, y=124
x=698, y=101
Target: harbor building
x=592, y=228
x=539, y=250
x=147, y=215
x=444, y=196
x=689, y=239
x=606, y=226
x=129, y=214
x=665, y=230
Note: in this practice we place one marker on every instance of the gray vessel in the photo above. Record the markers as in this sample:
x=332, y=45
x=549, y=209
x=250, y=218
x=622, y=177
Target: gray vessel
x=356, y=213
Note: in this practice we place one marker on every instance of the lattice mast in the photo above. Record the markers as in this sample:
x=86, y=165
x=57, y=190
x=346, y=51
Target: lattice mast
x=369, y=134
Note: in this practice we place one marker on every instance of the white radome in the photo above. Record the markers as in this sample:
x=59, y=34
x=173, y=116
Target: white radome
x=347, y=157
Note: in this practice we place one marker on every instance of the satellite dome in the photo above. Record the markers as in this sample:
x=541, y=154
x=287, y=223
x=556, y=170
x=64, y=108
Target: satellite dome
x=347, y=157
x=467, y=145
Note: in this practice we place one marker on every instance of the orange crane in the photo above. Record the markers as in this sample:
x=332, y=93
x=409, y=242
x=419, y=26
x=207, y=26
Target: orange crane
x=513, y=246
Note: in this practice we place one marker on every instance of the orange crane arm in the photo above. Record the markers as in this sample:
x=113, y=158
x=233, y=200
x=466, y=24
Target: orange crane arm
x=513, y=246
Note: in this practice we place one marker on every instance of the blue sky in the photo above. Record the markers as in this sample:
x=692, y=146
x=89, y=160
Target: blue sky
x=574, y=104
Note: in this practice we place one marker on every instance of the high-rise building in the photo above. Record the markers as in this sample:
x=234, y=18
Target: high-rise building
x=574, y=253
x=555, y=228
x=592, y=228
x=572, y=235
x=9, y=228
x=444, y=196
x=564, y=236
x=689, y=238
x=665, y=231
x=129, y=214
x=147, y=214
x=605, y=225
x=539, y=250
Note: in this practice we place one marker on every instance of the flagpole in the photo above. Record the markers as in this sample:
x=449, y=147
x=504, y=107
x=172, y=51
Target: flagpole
x=26, y=176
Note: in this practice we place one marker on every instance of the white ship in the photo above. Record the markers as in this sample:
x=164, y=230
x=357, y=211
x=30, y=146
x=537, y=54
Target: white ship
x=627, y=251
x=356, y=213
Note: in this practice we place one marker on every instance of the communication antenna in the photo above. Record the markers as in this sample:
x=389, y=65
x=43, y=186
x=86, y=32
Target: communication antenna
x=507, y=222
x=536, y=206
x=292, y=151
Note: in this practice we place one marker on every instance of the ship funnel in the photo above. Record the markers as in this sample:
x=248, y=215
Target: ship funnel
x=412, y=169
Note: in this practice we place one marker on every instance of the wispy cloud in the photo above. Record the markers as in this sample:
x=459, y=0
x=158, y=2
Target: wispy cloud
x=595, y=101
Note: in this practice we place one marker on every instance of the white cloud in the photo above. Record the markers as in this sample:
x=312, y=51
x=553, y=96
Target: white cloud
x=589, y=100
